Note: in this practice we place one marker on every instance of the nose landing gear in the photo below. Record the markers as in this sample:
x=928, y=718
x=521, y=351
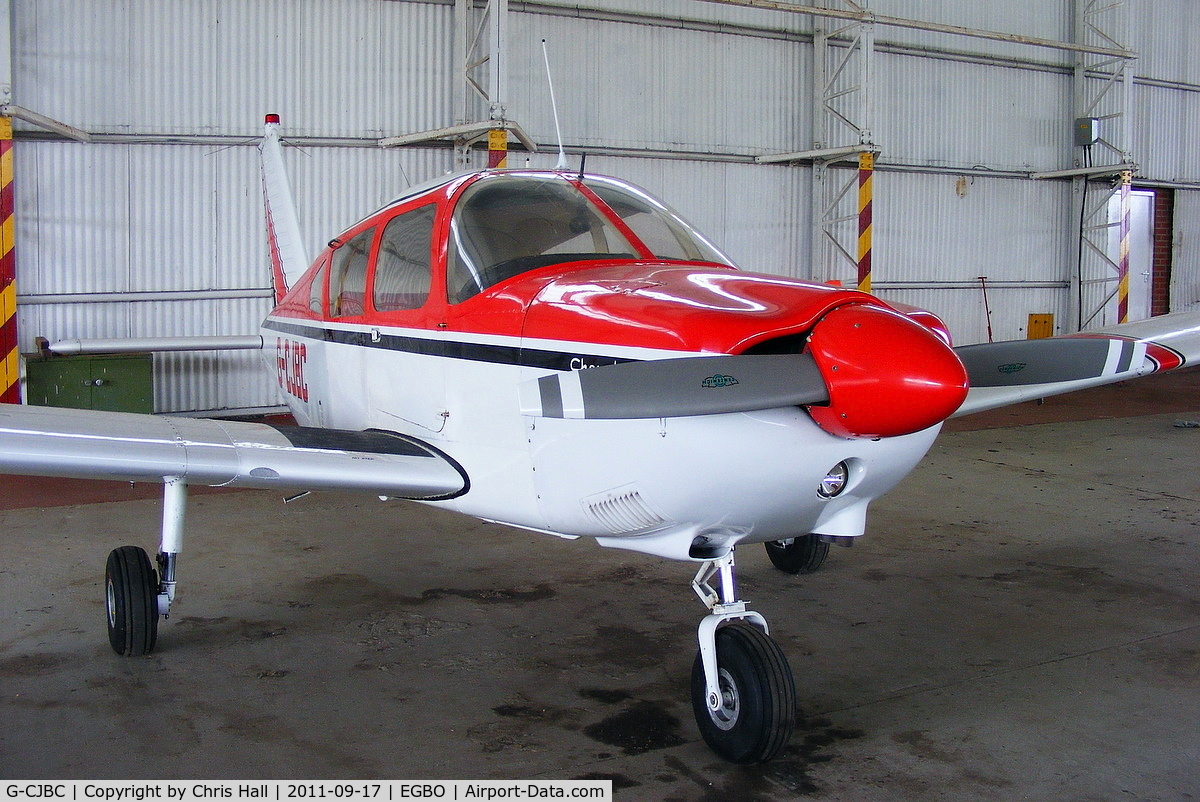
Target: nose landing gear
x=743, y=693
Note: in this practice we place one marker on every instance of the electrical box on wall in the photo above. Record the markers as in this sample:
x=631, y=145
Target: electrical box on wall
x=116, y=383
x=1087, y=131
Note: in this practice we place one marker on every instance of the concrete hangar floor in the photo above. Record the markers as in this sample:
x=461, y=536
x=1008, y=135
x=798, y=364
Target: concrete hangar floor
x=1021, y=621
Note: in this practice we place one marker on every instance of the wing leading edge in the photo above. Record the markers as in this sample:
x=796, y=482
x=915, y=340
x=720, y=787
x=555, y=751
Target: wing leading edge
x=84, y=444
x=1021, y=370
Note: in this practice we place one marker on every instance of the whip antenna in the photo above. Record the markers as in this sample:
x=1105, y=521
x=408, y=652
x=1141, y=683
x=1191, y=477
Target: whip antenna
x=562, y=155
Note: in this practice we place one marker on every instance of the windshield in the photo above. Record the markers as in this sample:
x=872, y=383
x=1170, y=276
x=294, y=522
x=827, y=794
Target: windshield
x=659, y=228
x=506, y=224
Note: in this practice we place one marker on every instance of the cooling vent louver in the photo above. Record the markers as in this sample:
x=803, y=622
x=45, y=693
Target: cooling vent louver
x=623, y=513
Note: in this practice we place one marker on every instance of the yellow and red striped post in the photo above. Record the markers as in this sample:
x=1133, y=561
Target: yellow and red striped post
x=10, y=386
x=1123, y=255
x=497, y=148
x=866, y=170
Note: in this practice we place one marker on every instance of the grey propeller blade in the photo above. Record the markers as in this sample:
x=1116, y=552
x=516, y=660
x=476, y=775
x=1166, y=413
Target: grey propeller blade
x=1065, y=359
x=666, y=388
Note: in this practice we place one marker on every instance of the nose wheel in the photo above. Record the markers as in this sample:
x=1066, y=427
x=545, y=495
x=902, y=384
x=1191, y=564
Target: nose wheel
x=757, y=709
x=743, y=693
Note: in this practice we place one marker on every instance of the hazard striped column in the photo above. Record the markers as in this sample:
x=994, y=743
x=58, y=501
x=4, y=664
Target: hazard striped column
x=10, y=387
x=497, y=148
x=1123, y=253
x=866, y=170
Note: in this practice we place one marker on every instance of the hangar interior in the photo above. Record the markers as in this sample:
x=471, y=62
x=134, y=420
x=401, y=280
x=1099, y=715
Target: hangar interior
x=1021, y=621
x=1004, y=143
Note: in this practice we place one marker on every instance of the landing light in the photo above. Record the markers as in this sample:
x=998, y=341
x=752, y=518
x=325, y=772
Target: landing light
x=834, y=481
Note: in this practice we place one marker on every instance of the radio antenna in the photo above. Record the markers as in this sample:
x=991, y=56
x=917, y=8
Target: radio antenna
x=562, y=155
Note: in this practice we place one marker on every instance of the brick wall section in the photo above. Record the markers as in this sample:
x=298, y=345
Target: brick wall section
x=1164, y=230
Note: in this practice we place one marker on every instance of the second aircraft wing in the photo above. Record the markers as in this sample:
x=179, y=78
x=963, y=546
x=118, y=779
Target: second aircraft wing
x=1020, y=370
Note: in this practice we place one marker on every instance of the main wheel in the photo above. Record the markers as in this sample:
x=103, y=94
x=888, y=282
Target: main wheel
x=799, y=555
x=131, y=599
x=758, y=696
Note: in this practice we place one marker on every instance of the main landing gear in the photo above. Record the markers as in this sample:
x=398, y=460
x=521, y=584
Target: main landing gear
x=798, y=555
x=135, y=593
x=743, y=694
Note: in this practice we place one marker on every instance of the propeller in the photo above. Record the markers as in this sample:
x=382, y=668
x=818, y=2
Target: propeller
x=667, y=388
x=867, y=371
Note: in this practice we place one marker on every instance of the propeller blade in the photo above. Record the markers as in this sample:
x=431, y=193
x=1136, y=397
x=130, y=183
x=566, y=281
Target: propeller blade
x=1047, y=361
x=669, y=388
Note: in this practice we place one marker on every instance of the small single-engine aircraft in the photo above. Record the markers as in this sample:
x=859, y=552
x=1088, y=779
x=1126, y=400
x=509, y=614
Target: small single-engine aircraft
x=561, y=352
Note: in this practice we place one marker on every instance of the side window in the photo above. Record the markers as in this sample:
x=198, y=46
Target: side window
x=402, y=274
x=316, y=290
x=348, y=278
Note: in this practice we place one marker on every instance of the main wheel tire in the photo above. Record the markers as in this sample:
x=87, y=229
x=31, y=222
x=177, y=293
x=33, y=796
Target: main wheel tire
x=131, y=600
x=758, y=696
x=800, y=555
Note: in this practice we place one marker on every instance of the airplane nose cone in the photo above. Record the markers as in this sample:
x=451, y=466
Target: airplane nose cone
x=886, y=374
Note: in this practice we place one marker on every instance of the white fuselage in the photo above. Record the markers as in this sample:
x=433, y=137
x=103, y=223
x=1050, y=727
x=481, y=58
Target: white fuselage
x=684, y=488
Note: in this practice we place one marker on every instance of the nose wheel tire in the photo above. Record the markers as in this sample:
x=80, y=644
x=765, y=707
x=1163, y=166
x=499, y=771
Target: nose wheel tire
x=758, y=696
x=131, y=600
x=798, y=555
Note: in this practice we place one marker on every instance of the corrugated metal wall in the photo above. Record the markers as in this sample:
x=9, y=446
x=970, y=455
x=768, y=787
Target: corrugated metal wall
x=678, y=98
x=643, y=86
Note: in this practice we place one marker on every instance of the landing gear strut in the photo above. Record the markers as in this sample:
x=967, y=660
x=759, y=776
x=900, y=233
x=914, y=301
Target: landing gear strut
x=743, y=694
x=135, y=594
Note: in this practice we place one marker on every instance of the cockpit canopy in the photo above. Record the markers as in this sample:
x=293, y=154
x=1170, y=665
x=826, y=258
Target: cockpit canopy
x=496, y=225
x=505, y=224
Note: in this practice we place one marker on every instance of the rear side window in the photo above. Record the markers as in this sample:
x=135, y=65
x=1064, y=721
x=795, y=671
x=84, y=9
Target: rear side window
x=316, y=290
x=348, y=278
x=402, y=274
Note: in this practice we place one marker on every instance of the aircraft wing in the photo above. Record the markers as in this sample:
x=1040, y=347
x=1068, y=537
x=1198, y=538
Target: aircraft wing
x=84, y=444
x=1021, y=370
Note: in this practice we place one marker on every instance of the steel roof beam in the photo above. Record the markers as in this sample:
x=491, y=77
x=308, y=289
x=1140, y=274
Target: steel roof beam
x=932, y=27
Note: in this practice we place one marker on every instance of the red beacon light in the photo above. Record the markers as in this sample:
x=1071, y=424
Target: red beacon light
x=273, y=118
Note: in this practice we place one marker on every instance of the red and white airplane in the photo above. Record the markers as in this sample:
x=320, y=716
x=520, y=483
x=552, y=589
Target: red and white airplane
x=561, y=352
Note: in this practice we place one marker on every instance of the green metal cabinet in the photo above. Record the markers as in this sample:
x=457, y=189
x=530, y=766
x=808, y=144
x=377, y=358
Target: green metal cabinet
x=113, y=382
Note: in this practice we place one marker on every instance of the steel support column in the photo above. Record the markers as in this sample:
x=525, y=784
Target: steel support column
x=843, y=61
x=866, y=172
x=1123, y=249
x=10, y=384
x=480, y=55
x=1102, y=89
x=10, y=362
